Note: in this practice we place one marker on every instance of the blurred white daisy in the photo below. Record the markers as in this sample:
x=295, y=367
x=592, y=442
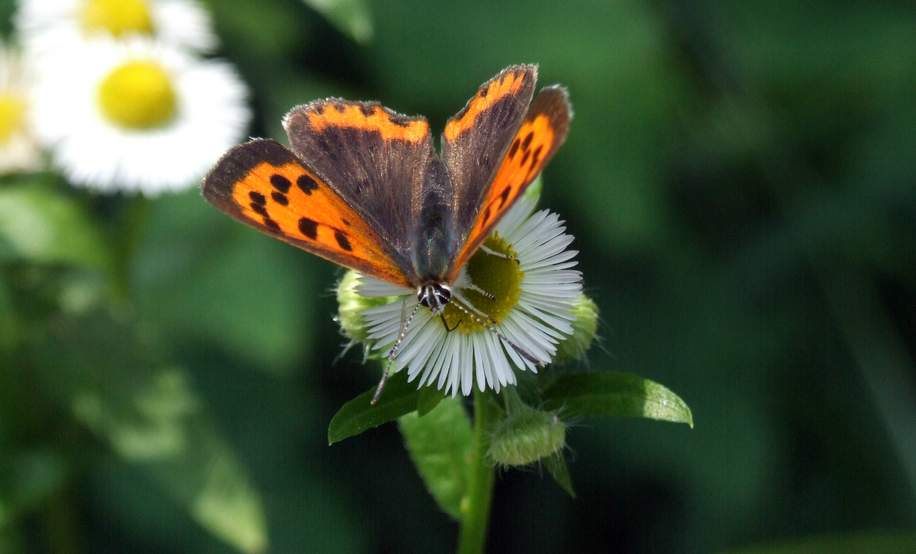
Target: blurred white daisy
x=137, y=116
x=521, y=281
x=19, y=150
x=47, y=26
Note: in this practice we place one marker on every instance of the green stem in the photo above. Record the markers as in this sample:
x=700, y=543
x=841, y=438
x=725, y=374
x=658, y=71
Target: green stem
x=128, y=234
x=476, y=505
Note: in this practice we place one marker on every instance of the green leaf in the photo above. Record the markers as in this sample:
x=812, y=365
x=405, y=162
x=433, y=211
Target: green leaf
x=439, y=445
x=47, y=226
x=358, y=415
x=612, y=393
x=150, y=416
x=27, y=478
x=556, y=465
x=351, y=17
x=428, y=399
x=875, y=542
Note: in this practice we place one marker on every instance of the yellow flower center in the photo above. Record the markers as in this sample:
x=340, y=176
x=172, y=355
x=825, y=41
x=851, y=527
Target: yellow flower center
x=12, y=115
x=497, y=275
x=117, y=17
x=138, y=95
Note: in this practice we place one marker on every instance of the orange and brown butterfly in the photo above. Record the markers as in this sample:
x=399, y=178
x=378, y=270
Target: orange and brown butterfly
x=362, y=185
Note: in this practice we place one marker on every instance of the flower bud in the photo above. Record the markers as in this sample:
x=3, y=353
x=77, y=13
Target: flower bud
x=585, y=326
x=525, y=436
x=351, y=305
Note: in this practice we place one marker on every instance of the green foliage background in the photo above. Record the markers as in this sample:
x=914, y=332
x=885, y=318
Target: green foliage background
x=741, y=181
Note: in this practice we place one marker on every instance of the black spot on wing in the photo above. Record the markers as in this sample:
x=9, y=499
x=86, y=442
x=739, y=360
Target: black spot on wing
x=342, y=241
x=524, y=158
x=279, y=198
x=536, y=157
x=306, y=184
x=257, y=198
x=308, y=227
x=280, y=183
x=504, y=196
x=527, y=142
x=259, y=209
x=271, y=224
x=514, y=148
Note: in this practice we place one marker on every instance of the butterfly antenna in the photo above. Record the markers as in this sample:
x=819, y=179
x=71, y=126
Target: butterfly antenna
x=487, y=322
x=389, y=357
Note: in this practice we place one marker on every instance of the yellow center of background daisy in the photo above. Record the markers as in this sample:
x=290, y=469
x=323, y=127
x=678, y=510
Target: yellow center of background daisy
x=138, y=95
x=12, y=115
x=498, y=276
x=117, y=17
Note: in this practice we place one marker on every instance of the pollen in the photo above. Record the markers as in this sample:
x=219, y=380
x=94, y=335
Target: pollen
x=496, y=272
x=117, y=17
x=138, y=95
x=12, y=115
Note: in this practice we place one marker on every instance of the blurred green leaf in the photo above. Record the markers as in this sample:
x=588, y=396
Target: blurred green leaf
x=878, y=542
x=556, y=466
x=358, y=415
x=150, y=416
x=429, y=398
x=439, y=444
x=9, y=541
x=28, y=478
x=8, y=324
x=247, y=293
x=612, y=393
x=351, y=17
x=46, y=226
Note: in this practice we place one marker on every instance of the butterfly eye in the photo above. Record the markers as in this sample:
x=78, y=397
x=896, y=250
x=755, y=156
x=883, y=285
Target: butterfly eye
x=443, y=293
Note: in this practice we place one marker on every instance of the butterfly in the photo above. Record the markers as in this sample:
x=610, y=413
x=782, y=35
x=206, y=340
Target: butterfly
x=362, y=186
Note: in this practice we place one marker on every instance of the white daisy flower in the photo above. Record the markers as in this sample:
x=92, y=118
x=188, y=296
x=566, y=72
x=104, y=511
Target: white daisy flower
x=136, y=115
x=19, y=150
x=521, y=281
x=48, y=26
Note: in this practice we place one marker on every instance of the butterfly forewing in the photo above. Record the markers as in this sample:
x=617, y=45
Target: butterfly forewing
x=263, y=184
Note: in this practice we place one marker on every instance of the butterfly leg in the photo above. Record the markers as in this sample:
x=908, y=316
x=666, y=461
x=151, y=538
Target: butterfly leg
x=445, y=324
x=393, y=352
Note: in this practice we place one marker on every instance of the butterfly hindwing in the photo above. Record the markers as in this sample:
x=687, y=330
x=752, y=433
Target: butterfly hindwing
x=542, y=131
x=376, y=158
x=263, y=184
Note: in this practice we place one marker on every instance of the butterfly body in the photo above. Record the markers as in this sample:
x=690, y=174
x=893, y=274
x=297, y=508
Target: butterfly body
x=362, y=185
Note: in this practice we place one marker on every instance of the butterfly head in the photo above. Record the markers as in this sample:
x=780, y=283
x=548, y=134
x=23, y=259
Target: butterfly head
x=434, y=296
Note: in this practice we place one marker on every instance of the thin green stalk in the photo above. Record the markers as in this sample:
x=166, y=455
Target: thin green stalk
x=131, y=224
x=476, y=504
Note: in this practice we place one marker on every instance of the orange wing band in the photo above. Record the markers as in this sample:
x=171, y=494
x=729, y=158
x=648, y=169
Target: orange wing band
x=508, y=83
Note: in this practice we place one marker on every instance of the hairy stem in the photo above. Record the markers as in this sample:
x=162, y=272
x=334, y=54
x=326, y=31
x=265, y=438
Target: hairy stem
x=475, y=509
